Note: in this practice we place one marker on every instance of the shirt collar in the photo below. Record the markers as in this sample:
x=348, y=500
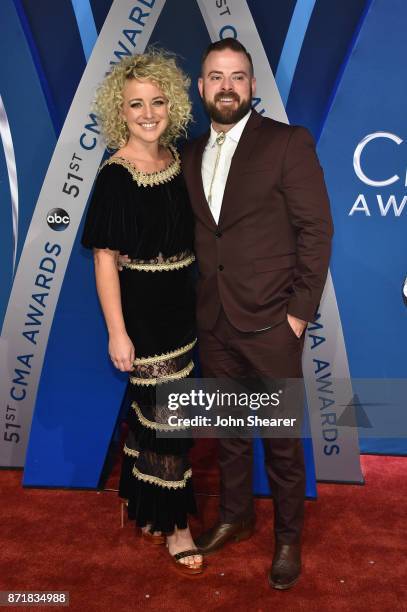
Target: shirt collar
x=234, y=133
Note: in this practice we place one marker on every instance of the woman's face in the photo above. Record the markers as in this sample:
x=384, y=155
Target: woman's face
x=145, y=110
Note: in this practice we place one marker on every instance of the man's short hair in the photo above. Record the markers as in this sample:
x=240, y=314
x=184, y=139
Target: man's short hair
x=227, y=43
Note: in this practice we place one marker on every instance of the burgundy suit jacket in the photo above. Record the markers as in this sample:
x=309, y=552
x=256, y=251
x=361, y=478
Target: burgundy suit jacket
x=269, y=253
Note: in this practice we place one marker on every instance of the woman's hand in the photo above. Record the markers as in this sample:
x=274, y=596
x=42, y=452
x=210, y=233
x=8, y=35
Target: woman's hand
x=122, y=259
x=121, y=351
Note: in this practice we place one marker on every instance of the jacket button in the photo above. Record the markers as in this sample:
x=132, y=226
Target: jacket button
x=218, y=234
x=220, y=268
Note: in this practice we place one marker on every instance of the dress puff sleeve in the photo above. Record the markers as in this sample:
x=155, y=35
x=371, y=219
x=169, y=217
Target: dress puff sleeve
x=111, y=221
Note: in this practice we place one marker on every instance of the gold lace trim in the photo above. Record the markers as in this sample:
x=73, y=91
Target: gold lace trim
x=167, y=484
x=148, y=179
x=130, y=451
x=161, y=259
x=153, y=424
x=165, y=356
x=162, y=379
x=160, y=267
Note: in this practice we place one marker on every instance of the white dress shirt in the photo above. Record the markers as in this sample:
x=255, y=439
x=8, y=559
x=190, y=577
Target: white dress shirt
x=209, y=159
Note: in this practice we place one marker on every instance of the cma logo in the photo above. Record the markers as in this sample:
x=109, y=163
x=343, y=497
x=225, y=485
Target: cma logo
x=58, y=219
x=383, y=204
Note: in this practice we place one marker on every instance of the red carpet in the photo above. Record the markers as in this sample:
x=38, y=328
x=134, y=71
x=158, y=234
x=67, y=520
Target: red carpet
x=355, y=549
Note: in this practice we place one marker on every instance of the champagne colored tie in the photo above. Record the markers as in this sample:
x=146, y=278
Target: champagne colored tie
x=220, y=139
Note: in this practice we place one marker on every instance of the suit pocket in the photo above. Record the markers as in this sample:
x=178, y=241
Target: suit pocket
x=292, y=332
x=278, y=262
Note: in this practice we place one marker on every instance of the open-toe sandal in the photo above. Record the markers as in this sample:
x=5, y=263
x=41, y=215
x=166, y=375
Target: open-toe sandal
x=184, y=568
x=153, y=538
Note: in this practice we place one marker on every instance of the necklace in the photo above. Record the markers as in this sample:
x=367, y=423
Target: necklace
x=220, y=139
x=148, y=179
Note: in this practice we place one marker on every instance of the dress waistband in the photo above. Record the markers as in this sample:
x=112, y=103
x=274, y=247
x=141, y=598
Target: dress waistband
x=161, y=264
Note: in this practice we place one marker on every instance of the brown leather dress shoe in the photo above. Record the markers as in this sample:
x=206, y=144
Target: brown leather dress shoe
x=286, y=566
x=215, y=539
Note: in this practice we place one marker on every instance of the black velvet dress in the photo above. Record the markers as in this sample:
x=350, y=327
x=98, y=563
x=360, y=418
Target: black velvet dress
x=148, y=217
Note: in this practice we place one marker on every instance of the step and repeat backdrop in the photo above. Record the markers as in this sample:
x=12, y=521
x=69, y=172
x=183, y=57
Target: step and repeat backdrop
x=335, y=67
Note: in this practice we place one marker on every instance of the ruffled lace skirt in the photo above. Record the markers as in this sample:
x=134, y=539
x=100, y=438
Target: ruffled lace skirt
x=156, y=473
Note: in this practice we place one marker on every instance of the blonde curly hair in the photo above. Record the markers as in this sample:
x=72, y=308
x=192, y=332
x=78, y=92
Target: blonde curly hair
x=158, y=66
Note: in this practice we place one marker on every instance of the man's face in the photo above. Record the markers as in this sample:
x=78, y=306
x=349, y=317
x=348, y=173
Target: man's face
x=226, y=86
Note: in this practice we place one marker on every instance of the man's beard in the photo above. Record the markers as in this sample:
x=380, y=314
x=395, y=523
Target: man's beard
x=227, y=116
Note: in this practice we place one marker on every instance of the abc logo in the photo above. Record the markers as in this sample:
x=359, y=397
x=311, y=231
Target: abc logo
x=58, y=219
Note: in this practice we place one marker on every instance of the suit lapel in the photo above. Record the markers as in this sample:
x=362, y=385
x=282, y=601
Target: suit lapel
x=200, y=204
x=246, y=144
x=244, y=148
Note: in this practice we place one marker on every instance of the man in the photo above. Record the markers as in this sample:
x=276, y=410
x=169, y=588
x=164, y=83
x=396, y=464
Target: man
x=263, y=231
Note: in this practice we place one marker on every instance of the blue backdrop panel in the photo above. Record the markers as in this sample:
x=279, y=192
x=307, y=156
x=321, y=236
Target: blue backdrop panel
x=370, y=247
x=328, y=39
x=55, y=32
x=272, y=21
x=100, y=9
x=80, y=392
x=33, y=140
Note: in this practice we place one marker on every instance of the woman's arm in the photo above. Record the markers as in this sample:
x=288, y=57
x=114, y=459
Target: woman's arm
x=121, y=349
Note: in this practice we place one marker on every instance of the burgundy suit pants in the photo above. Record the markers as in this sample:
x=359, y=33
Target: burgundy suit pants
x=226, y=352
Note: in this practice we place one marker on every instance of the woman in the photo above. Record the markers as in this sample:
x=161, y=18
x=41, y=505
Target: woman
x=140, y=207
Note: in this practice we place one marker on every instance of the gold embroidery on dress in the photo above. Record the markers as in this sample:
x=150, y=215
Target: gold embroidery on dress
x=160, y=259
x=163, y=379
x=165, y=356
x=130, y=451
x=153, y=424
x=168, y=484
x=148, y=179
x=159, y=267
